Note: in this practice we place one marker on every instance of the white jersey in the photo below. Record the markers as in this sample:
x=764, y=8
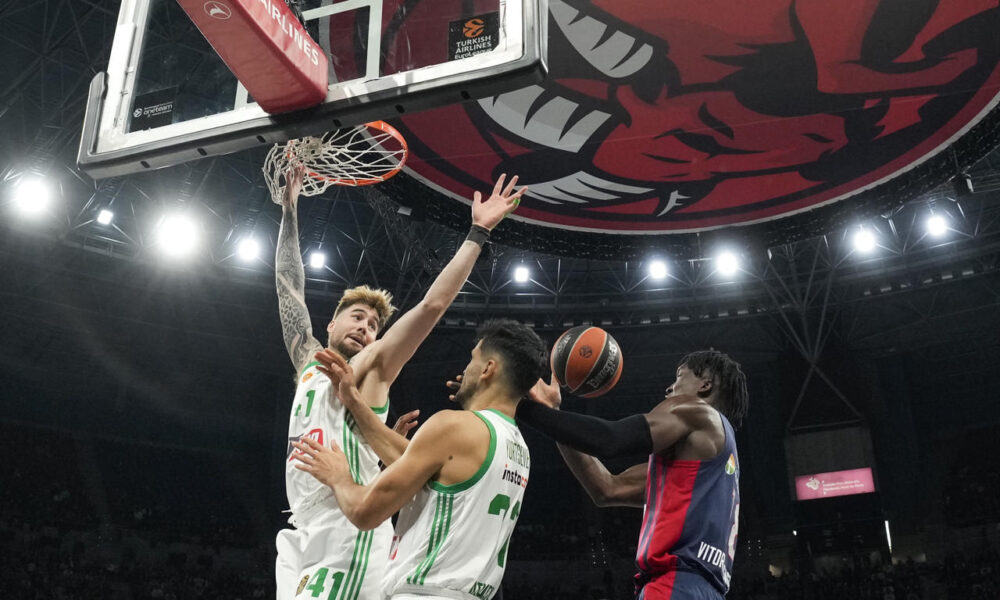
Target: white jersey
x=452, y=540
x=317, y=413
x=326, y=553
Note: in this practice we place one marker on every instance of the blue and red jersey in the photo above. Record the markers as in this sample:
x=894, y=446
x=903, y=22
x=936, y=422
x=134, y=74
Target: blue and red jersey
x=690, y=521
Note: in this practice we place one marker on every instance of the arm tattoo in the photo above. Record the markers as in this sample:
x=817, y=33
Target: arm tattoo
x=290, y=277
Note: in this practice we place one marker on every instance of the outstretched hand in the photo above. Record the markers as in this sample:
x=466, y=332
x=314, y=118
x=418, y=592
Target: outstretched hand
x=547, y=394
x=488, y=213
x=327, y=465
x=335, y=366
x=406, y=423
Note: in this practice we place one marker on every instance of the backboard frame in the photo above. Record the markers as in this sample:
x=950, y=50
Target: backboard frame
x=107, y=149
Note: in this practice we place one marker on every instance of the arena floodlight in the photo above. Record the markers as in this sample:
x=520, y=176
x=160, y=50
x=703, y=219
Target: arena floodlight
x=317, y=260
x=105, y=216
x=864, y=241
x=658, y=270
x=522, y=274
x=937, y=226
x=32, y=196
x=178, y=235
x=727, y=263
x=248, y=249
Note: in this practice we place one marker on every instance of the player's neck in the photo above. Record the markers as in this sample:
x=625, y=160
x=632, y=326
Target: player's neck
x=493, y=400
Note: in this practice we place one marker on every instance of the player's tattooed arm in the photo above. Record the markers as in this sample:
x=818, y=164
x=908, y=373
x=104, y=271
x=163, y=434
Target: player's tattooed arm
x=290, y=278
x=627, y=488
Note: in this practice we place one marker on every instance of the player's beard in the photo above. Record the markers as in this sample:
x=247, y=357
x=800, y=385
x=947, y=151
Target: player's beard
x=464, y=394
x=345, y=351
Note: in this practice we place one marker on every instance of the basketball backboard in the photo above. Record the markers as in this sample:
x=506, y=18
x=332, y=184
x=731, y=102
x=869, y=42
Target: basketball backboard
x=168, y=98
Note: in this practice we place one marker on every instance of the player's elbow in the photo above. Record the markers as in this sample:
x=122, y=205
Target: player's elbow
x=433, y=306
x=365, y=520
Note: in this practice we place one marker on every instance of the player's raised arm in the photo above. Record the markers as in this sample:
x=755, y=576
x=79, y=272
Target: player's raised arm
x=402, y=339
x=290, y=277
x=367, y=506
x=387, y=443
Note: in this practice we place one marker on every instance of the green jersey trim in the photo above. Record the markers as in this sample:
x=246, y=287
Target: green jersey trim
x=378, y=410
x=464, y=485
x=503, y=416
x=307, y=367
x=444, y=503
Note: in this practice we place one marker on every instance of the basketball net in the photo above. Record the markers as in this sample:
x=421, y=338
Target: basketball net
x=362, y=155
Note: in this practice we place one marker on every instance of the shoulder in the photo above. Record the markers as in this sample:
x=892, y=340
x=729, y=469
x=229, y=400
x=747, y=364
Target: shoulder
x=452, y=428
x=695, y=412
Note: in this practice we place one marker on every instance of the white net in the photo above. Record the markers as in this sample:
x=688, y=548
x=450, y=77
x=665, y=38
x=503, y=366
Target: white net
x=360, y=155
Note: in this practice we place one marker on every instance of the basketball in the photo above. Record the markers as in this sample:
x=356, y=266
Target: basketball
x=586, y=361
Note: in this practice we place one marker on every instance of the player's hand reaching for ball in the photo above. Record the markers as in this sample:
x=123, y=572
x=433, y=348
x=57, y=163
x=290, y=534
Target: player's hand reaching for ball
x=334, y=366
x=488, y=213
x=327, y=465
x=547, y=394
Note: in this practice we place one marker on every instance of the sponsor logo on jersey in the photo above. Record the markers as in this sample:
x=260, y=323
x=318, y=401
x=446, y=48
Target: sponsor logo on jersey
x=290, y=452
x=731, y=465
x=481, y=590
x=514, y=476
x=302, y=585
x=307, y=377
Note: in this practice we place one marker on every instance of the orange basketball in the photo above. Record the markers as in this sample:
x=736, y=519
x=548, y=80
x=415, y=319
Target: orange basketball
x=586, y=361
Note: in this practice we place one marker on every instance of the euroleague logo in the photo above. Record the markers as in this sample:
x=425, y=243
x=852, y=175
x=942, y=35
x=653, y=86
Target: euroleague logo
x=473, y=28
x=691, y=116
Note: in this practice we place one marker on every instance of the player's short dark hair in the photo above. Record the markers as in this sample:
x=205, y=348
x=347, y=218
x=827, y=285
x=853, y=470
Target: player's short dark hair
x=520, y=349
x=728, y=377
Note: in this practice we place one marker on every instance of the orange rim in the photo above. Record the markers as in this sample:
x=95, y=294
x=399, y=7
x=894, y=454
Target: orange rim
x=385, y=128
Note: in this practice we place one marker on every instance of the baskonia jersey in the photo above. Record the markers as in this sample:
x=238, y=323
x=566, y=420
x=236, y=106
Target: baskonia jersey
x=691, y=516
x=317, y=413
x=452, y=540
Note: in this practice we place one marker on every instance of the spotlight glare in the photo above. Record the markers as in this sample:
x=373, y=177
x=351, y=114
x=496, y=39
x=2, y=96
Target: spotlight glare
x=105, y=216
x=657, y=269
x=727, y=263
x=317, y=260
x=864, y=241
x=521, y=274
x=937, y=226
x=248, y=249
x=32, y=196
x=178, y=235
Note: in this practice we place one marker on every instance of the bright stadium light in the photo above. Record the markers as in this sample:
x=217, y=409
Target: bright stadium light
x=658, y=269
x=521, y=274
x=864, y=241
x=178, y=235
x=937, y=225
x=727, y=263
x=32, y=196
x=248, y=249
x=317, y=260
x=105, y=216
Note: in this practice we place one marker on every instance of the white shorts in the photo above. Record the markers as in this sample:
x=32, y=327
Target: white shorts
x=329, y=560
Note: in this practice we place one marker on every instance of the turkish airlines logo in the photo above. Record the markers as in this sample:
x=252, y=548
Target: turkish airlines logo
x=473, y=28
x=218, y=10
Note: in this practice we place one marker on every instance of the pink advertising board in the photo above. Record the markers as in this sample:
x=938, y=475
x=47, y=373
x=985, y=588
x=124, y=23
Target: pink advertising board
x=837, y=483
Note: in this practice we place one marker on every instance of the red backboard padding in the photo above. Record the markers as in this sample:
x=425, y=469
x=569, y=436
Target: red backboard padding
x=267, y=49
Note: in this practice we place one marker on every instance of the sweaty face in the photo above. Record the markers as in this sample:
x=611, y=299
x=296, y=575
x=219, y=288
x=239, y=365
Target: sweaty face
x=470, y=377
x=353, y=329
x=686, y=383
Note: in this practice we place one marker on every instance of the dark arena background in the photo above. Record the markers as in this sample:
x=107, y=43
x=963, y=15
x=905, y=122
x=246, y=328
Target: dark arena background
x=823, y=204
